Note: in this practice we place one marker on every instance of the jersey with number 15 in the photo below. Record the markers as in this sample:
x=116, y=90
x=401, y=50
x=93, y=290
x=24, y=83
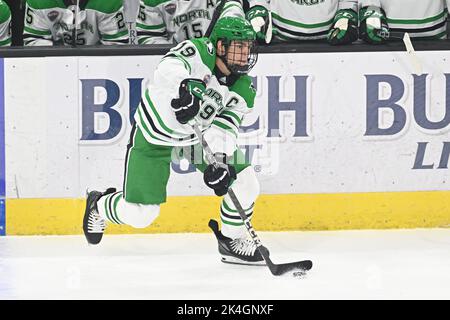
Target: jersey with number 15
x=173, y=21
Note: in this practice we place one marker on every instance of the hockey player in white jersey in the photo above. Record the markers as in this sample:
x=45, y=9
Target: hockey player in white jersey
x=424, y=19
x=74, y=22
x=202, y=80
x=293, y=20
x=173, y=21
x=5, y=25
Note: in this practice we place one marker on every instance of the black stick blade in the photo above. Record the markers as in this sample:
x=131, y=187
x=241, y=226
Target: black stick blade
x=280, y=269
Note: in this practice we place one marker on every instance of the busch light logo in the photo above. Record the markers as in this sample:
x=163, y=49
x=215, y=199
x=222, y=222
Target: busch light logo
x=386, y=95
x=387, y=115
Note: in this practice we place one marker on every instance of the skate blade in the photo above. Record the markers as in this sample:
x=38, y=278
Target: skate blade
x=232, y=260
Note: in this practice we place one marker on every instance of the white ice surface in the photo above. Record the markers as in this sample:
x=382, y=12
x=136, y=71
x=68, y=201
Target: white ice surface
x=397, y=264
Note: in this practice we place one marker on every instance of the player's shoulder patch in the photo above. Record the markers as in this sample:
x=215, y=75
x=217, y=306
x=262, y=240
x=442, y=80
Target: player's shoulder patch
x=103, y=6
x=155, y=3
x=244, y=87
x=5, y=13
x=45, y=4
x=206, y=50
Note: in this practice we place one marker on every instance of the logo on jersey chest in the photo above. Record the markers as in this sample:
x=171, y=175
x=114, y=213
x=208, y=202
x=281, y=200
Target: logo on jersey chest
x=53, y=15
x=170, y=8
x=191, y=16
x=207, y=79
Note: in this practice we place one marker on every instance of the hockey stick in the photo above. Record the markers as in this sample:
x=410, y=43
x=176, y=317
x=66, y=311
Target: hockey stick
x=276, y=269
x=412, y=54
x=215, y=17
x=415, y=61
x=75, y=22
x=269, y=31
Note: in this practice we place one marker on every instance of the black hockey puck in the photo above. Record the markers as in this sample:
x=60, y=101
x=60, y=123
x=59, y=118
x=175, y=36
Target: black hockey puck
x=298, y=274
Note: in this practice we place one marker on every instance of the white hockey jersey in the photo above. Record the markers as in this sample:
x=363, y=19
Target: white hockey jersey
x=49, y=22
x=220, y=113
x=173, y=21
x=5, y=25
x=303, y=19
x=424, y=18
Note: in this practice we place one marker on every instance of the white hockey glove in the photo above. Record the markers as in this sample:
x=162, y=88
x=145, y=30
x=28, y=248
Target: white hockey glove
x=261, y=20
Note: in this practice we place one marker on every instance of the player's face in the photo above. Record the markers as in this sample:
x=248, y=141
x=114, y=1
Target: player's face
x=239, y=56
x=239, y=52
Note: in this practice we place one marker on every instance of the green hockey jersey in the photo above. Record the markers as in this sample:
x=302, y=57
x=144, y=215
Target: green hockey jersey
x=173, y=21
x=5, y=24
x=220, y=114
x=49, y=22
x=303, y=19
x=421, y=19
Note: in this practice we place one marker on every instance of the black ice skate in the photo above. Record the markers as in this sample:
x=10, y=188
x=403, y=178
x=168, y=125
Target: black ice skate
x=93, y=224
x=237, y=251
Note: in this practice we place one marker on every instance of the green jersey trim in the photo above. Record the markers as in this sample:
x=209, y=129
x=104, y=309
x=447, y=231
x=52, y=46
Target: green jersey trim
x=233, y=115
x=207, y=51
x=230, y=5
x=109, y=6
x=217, y=122
x=143, y=26
x=439, y=36
x=46, y=4
x=145, y=127
x=5, y=42
x=154, y=3
x=418, y=21
x=302, y=25
x=158, y=117
x=38, y=32
x=142, y=40
x=187, y=65
x=244, y=87
x=114, y=36
x=284, y=37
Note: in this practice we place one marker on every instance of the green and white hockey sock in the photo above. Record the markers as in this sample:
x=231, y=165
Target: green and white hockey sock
x=115, y=209
x=232, y=225
x=107, y=207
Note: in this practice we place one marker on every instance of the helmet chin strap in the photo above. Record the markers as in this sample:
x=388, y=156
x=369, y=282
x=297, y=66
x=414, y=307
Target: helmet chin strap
x=223, y=58
x=223, y=67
